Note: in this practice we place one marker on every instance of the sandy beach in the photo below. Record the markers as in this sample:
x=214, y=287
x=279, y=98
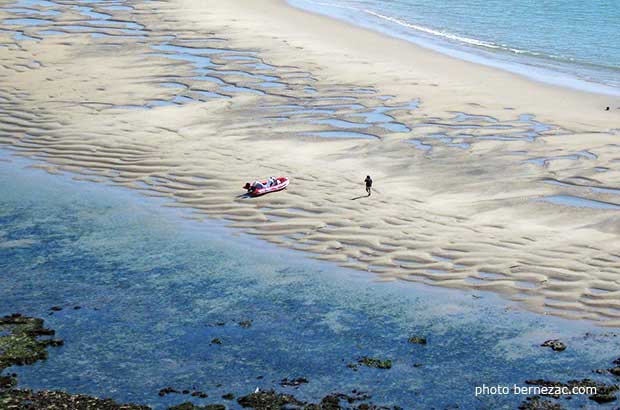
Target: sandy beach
x=483, y=179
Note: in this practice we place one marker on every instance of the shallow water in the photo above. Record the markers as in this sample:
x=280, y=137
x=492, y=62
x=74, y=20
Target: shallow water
x=571, y=43
x=151, y=286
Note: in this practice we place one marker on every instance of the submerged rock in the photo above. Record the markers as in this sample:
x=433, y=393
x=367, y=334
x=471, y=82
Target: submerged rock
x=245, y=324
x=267, y=400
x=20, y=344
x=53, y=400
x=331, y=402
x=191, y=406
x=605, y=393
x=537, y=403
x=199, y=394
x=166, y=390
x=293, y=382
x=555, y=345
x=417, y=340
x=371, y=362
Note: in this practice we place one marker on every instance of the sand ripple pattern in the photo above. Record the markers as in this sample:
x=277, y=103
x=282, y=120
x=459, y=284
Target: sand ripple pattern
x=126, y=92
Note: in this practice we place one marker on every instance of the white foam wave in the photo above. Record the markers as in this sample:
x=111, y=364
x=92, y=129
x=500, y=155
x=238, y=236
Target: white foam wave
x=427, y=30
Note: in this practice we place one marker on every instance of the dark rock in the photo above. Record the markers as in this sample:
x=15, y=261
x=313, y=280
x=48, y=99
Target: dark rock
x=371, y=362
x=601, y=398
x=555, y=345
x=54, y=342
x=185, y=406
x=166, y=390
x=54, y=400
x=245, y=323
x=191, y=406
x=185, y=392
x=77, y=307
x=357, y=396
x=293, y=382
x=417, y=340
x=20, y=344
x=537, y=403
x=228, y=396
x=331, y=402
x=6, y=382
x=267, y=400
x=614, y=370
x=55, y=308
x=216, y=341
x=604, y=392
x=199, y=394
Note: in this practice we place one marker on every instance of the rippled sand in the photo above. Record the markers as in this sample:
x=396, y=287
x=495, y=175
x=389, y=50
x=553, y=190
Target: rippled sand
x=483, y=180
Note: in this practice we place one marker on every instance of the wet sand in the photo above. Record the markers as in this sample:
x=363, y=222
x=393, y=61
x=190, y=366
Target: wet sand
x=483, y=179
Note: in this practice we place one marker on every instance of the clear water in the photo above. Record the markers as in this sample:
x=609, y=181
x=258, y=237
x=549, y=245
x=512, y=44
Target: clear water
x=567, y=42
x=152, y=284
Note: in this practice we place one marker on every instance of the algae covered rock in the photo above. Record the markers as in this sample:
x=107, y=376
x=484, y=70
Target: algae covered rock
x=371, y=362
x=54, y=400
x=268, y=400
x=417, y=340
x=20, y=342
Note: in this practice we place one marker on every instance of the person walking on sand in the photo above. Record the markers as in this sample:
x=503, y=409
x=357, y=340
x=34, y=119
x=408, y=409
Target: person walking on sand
x=368, y=181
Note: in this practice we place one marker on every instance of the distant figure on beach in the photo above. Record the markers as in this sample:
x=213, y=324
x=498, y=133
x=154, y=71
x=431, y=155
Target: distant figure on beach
x=368, y=181
x=607, y=109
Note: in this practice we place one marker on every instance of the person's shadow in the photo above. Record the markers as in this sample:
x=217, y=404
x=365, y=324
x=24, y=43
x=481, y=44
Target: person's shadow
x=359, y=197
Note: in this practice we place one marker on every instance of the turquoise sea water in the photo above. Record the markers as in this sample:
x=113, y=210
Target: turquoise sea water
x=566, y=42
x=152, y=287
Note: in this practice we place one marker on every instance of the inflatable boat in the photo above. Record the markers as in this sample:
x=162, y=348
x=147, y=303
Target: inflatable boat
x=282, y=182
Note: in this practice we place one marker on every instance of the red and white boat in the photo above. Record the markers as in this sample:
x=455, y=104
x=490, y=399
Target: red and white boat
x=282, y=183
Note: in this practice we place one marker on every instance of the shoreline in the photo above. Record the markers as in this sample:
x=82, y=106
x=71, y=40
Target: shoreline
x=538, y=71
x=114, y=328
x=470, y=211
x=335, y=42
